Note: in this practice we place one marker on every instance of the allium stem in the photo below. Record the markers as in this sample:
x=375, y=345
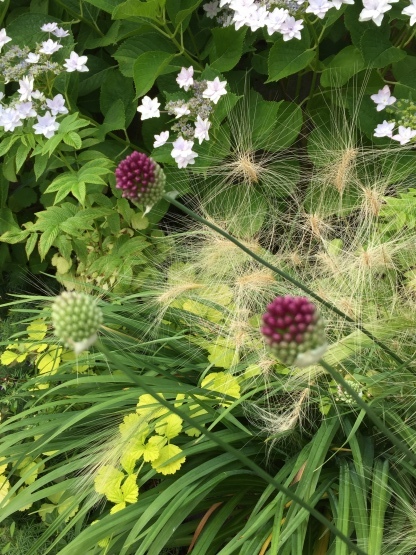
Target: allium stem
x=369, y=411
x=169, y=197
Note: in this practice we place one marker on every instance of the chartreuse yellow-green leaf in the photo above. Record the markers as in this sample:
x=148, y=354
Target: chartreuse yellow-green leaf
x=149, y=408
x=107, y=479
x=165, y=463
x=4, y=487
x=134, y=426
x=170, y=426
x=223, y=384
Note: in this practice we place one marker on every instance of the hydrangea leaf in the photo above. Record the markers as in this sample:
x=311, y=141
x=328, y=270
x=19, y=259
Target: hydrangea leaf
x=222, y=383
x=148, y=407
x=108, y=478
x=164, y=463
x=37, y=330
x=170, y=426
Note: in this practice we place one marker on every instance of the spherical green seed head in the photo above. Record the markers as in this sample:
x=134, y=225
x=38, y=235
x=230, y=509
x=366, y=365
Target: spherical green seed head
x=76, y=319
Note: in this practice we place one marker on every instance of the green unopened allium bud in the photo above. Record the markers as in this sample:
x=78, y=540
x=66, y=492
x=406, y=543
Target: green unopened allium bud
x=76, y=319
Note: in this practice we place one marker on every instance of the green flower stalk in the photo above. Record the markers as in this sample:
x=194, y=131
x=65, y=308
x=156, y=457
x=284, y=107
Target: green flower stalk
x=294, y=331
x=76, y=319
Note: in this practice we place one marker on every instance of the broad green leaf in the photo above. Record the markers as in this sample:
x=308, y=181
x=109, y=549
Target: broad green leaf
x=72, y=139
x=164, y=463
x=21, y=155
x=136, y=8
x=377, y=50
x=46, y=240
x=342, y=67
x=106, y=5
x=289, y=57
x=405, y=71
x=179, y=10
x=147, y=68
x=132, y=48
x=227, y=47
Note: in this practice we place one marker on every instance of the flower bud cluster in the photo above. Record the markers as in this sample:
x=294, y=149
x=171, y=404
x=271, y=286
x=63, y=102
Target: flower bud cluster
x=278, y=16
x=192, y=114
x=29, y=69
x=404, y=112
x=141, y=179
x=76, y=319
x=294, y=331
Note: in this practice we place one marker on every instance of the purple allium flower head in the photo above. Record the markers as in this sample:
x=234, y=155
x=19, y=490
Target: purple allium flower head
x=141, y=179
x=294, y=331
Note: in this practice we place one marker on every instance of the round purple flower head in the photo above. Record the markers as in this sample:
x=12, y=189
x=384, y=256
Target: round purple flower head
x=294, y=331
x=141, y=179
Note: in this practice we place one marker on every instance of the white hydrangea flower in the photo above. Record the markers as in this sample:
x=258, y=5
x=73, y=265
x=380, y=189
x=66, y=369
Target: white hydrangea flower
x=76, y=63
x=185, y=78
x=211, y=8
x=180, y=111
x=10, y=119
x=49, y=27
x=201, y=129
x=319, y=7
x=291, y=28
x=338, y=3
x=60, y=33
x=182, y=152
x=149, y=108
x=374, y=10
x=57, y=105
x=25, y=110
x=32, y=58
x=384, y=129
x=46, y=125
x=26, y=88
x=215, y=89
x=383, y=98
x=275, y=20
x=4, y=39
x=161, y=139
x=50, y=47
x=405, y=135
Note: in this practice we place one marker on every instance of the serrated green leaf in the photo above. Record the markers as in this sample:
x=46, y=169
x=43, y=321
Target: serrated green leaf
x=289, y=57
x=342, y=67
x=147, y=68
x=31, y=244
x=227, y=47
x=46, y=240
x=41, y=161
x=21, y=155
x=72, y=139
x=79, y=191
x=136, y=8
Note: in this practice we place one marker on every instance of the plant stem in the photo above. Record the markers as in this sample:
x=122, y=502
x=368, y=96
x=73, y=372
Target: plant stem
x=369, y=411
x=281, y=273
